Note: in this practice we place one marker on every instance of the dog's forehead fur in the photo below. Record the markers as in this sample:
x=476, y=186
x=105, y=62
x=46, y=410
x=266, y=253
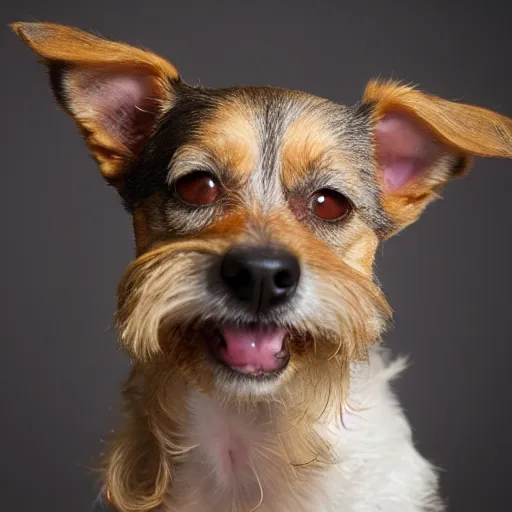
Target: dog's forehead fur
x=272, y=148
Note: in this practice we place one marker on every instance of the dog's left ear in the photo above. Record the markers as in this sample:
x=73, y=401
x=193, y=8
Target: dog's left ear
x=421, y=141
x=114, y=92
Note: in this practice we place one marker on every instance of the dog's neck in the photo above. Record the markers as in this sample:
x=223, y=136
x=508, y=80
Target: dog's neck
x=233, y=449
x=233, y=453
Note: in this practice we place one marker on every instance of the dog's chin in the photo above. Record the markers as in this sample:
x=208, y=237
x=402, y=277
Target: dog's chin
x=247, y=358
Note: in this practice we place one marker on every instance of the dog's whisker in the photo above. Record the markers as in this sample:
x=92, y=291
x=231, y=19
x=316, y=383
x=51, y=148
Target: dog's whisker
x=260, y=502
x=303, y=464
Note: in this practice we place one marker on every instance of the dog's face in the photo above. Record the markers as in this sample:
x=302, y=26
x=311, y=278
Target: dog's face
x=257, y=211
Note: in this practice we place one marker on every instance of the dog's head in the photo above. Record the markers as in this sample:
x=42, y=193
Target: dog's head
x=257, y=211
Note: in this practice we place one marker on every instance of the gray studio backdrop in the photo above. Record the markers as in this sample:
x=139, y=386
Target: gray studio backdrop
x=65, y=239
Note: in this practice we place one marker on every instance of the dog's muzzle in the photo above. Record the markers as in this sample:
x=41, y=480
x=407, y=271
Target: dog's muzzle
x=258, y=279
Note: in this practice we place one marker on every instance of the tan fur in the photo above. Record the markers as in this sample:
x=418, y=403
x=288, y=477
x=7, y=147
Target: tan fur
x=467, y=129
x=138, y=470
x=464, y=130
x=360, y=253
x=142, y=231
x=231, y=138
x=308, y=145
x=57, y=43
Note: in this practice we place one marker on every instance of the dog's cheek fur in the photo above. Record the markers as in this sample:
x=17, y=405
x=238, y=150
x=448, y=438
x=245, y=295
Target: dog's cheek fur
x=162, y=282
x=166, y=289
x=137, y=469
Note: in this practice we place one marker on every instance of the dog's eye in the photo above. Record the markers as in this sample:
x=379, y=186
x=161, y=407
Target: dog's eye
x=198, y=188
x=327, y=204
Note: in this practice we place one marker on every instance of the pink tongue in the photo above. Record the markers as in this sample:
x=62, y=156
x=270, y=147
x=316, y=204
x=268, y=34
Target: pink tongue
x=252, y=350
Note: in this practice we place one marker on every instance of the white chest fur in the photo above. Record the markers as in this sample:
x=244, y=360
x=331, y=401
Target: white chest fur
x=238, y=464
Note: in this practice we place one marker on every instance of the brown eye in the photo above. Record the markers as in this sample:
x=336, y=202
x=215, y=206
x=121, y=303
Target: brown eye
x=328, y=204
x=198, y=188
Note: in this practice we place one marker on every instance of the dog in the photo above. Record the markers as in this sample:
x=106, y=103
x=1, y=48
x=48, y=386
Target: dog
x=251, y=312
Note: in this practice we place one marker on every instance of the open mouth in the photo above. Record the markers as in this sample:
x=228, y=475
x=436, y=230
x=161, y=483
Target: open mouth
x=253, y=350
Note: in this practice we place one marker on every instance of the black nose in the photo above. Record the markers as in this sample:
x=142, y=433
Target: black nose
x=261, y=277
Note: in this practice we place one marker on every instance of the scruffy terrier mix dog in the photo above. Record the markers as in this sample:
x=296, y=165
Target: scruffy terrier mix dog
x=251, y=312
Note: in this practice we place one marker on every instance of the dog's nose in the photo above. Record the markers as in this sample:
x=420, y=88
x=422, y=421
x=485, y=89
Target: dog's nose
x=261, y=277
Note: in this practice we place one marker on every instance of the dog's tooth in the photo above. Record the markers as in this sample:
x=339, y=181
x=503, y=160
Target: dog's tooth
x=283, y=354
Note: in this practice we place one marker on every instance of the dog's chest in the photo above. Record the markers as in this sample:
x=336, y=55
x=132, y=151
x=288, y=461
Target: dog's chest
x=240, y=464
x=224, y=442
x=235, y=463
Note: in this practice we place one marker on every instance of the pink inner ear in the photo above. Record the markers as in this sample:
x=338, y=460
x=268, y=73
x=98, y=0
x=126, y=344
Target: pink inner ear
x=123, y=103
x=404, y=149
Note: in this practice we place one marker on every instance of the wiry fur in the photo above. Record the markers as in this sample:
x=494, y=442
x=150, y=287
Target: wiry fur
x=325, y=434
x=232, y=456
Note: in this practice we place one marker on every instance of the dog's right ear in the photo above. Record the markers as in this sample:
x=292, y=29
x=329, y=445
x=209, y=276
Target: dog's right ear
x=114, y=92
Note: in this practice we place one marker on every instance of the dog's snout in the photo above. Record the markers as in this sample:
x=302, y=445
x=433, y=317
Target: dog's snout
x=261, y=277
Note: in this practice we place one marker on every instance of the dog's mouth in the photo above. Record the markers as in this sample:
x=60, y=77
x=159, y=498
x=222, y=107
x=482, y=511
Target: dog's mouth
x=253, y=350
